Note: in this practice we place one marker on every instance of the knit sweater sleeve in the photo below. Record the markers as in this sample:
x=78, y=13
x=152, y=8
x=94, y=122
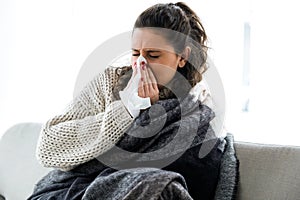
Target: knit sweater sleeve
x=88, y=127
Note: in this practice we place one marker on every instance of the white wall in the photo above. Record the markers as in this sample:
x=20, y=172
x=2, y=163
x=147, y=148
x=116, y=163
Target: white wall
x=44, y=44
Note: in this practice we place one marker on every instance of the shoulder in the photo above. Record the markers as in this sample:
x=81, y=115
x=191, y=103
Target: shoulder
x=105, y=79
x=202, y=93
x=110, y=74
x=101, y=82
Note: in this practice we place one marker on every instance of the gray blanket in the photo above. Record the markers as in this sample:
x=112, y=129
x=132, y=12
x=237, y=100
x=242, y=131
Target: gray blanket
x=138, y=183
x=229, y=172
x=135, y=183
x=143, y=175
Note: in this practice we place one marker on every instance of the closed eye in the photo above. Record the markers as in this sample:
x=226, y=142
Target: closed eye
x=153, y=56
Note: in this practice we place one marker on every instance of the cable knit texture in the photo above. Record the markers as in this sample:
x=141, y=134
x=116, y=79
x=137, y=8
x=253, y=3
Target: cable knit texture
x=89, y=126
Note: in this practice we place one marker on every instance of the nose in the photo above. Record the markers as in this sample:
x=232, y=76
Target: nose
x=143, y=53
x=141, y=60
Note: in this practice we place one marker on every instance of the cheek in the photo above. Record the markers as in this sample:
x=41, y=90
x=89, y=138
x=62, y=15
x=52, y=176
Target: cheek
x=162, y=73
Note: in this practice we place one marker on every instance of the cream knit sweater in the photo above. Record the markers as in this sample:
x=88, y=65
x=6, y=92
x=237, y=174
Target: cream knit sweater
x=89, y=126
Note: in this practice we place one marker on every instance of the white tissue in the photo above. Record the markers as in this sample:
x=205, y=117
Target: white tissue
x=129, y=96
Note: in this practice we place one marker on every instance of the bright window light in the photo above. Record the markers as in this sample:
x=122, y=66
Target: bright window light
x=254, y=45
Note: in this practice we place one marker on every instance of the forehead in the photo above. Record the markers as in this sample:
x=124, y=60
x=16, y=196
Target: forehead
x=145, y=38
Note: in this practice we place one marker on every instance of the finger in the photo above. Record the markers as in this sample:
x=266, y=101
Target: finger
x=145, y=79
x=155, y=91
x=142, y=69
x=134, y=68
x=147, y=83
x=141, y=91
x=152, y=79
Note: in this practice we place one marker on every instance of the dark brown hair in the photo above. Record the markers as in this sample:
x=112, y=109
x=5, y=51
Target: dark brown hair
x=182, y=19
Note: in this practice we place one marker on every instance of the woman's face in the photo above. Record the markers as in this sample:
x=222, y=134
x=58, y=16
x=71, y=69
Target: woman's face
x=160, y=55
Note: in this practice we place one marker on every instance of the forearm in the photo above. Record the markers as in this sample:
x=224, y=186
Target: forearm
x=73, y=142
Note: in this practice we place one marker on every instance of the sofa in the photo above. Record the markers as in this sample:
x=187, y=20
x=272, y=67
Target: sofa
x=266, y=171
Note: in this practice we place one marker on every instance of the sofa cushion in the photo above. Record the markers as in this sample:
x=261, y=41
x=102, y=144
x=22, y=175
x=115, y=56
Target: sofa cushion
x=19, y=169
x=268, y=171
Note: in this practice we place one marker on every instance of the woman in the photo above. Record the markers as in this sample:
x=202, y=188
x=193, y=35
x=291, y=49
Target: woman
x=168, y=60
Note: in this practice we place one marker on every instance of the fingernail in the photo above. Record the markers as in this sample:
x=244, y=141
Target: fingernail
x=143, y=63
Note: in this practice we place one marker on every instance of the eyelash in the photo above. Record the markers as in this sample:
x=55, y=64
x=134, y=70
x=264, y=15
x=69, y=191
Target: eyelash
x=149, y=56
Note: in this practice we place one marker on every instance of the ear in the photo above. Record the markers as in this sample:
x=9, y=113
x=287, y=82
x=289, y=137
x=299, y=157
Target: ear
x=184, y=56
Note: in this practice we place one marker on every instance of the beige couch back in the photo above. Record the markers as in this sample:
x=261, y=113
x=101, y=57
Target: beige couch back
x=266, y=171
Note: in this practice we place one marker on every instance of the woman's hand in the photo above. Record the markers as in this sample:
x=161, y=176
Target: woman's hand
x=147, y=84
x=141, y=90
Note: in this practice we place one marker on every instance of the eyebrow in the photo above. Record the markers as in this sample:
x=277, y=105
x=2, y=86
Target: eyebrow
x=149, y=51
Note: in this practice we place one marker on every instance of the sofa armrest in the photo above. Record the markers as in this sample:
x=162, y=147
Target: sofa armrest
x=268, y=171
x=19, y=169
